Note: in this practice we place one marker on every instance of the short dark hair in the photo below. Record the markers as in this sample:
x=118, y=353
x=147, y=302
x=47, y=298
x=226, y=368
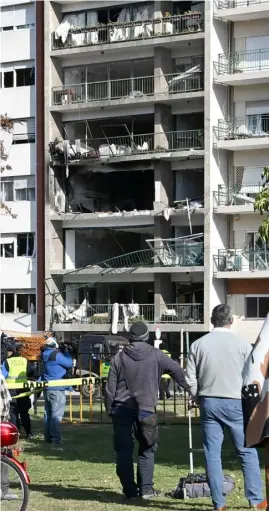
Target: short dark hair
x=221, y=316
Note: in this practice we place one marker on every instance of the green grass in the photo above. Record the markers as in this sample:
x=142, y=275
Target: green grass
x=82, y=476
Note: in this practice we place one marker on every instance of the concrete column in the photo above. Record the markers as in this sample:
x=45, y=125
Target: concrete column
x=163, y=180
x=162, y=294
x=57, y=246
x=162, y=68
x=70, y=249
x=162, y=127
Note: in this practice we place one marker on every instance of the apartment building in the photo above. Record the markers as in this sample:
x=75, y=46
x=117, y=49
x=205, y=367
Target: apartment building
x=17, y=135
x=155, y=124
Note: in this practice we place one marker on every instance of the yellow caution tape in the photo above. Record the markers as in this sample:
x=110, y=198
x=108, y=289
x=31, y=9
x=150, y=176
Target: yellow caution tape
x=41, y=385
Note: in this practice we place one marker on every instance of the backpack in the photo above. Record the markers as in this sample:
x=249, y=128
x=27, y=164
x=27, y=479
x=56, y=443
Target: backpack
x=195, y=486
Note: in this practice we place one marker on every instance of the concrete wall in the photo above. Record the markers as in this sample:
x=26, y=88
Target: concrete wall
x=17, y=45
x=18, y=322
x=19, y=102
x=25, y=217
x=249, y=158
x=243, y=224
x=18, y=273
x=19, y=153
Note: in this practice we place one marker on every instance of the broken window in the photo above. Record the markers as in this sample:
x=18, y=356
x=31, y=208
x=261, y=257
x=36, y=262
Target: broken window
x=8, y=79
x=6, y=249
x=26, y=244
x=25, y=77
x=7, y=191
x=7, y=303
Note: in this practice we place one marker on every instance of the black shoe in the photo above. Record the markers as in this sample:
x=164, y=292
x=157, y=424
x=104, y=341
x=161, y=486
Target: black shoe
x=152, y=495
x=30, y=436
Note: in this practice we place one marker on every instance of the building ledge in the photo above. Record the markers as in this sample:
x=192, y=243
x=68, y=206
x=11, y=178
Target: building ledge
x=165, y=327
x=245, y=12
x=242, y=274
x=243, y=144
x=246, y=209
x=245, y=78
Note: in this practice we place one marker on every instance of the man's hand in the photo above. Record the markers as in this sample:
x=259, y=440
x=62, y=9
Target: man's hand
x=193, y=403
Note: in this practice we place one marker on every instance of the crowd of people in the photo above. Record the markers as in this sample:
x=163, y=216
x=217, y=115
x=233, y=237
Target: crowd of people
x=213, y=379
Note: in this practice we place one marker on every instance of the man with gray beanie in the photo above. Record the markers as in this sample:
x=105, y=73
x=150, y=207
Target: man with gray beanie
x=131, y=399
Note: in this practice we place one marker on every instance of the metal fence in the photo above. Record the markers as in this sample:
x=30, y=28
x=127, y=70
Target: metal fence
x=242, y=61
x=231, y=4
x=242, y=260
x=252, y=126
x=101, y=314
x=128, y=145
x=133, y=31
x=128, y=88
x=236, y=195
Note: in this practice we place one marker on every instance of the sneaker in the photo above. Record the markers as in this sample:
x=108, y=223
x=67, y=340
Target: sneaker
x=30, y=436
x=152, y=495
x=9, y=496
x=261, y=505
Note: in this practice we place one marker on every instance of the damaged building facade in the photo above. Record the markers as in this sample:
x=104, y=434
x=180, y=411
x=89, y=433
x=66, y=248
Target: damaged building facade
x=149, y=214
x=18, y=166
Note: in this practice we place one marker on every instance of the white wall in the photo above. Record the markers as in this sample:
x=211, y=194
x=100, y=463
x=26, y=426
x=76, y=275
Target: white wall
x=246, y=328
x=17, y=45
x=18, y=322
x=245, y=223
x=19, y=102
x=18, y=273
x=22, y=160
x=25, y=220
x=251, y=158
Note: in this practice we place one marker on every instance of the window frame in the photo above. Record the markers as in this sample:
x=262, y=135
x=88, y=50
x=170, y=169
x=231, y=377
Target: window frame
x=257, y=299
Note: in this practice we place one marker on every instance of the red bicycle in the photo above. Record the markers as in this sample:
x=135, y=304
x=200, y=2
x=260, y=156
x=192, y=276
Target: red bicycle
x=14, y=477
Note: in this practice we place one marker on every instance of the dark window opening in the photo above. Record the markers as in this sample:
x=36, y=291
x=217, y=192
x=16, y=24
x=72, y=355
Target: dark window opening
x=5, y=29
x=22, y=303
x=257, y=307
x=25, y=76
x=8, y=302
x=26, y=242
x=8, y=79
x=7, y=250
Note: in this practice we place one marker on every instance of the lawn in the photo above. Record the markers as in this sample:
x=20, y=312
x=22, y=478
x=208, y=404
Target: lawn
x=82, y=476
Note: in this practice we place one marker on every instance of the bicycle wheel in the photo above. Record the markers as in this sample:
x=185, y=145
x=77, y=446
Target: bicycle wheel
x=13, y=485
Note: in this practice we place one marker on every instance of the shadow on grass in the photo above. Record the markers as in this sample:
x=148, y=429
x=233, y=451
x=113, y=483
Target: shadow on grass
x=104, y=495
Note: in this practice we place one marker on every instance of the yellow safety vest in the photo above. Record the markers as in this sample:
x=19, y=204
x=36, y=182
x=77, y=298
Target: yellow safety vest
x=105, y=366
x=166, y=376
x=17, y=370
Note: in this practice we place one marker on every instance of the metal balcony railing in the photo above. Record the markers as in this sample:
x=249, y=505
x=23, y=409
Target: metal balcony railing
x=242, y=61
x=242, y=260
x=102, y=314
x=133, y=31
x=237, y=195
x=252, y=126
x=128, y=88
x=231, y=4
x=128, y=145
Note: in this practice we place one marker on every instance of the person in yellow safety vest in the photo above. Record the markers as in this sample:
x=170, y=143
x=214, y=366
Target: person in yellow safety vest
x=165, y=381
x=105, y=366
x=16, y=369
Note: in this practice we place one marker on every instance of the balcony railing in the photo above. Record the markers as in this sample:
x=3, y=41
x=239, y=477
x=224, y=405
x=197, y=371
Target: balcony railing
x=237, y=195
x=242, y=260
x=242, y=62
x=102, y=314
x=129, y=145
x=133, y=31
x=232, y=4
x=252, y=126
x=128, y=88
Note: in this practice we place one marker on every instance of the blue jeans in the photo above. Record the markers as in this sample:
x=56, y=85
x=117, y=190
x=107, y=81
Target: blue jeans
x=53, y=414
x=216, y=413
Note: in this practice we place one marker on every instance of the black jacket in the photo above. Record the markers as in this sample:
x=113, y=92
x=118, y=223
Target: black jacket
x=144, y=366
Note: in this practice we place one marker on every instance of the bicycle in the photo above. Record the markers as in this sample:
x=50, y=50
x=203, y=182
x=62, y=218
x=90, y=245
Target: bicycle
x=14, y=477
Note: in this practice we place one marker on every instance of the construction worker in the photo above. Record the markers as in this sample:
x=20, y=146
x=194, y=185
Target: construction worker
x=17, y=369
x=165, y=381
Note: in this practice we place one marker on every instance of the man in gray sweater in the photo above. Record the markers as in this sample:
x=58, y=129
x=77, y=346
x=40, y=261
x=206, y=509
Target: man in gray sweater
x=214, y=374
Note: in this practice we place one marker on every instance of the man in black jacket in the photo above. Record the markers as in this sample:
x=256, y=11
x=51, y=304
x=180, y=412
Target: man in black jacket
x=131, y=400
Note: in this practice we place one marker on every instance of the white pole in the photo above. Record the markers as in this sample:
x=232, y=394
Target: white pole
x=182, y=348
x=190, y=444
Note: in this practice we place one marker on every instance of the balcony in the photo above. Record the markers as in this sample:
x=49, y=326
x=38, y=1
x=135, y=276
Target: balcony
x=127, y=91
x=136, y=32
x=236, y=199
x=99, y=317
x=242, y=10
x=243, y=68
x=240, y=263
x=130, y=147
x=251, y=132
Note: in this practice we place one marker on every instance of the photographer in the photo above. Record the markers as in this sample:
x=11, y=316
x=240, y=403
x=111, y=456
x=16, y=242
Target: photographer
x=56, y=363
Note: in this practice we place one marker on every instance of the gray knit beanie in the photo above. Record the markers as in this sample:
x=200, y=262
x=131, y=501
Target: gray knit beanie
x=139, y=332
